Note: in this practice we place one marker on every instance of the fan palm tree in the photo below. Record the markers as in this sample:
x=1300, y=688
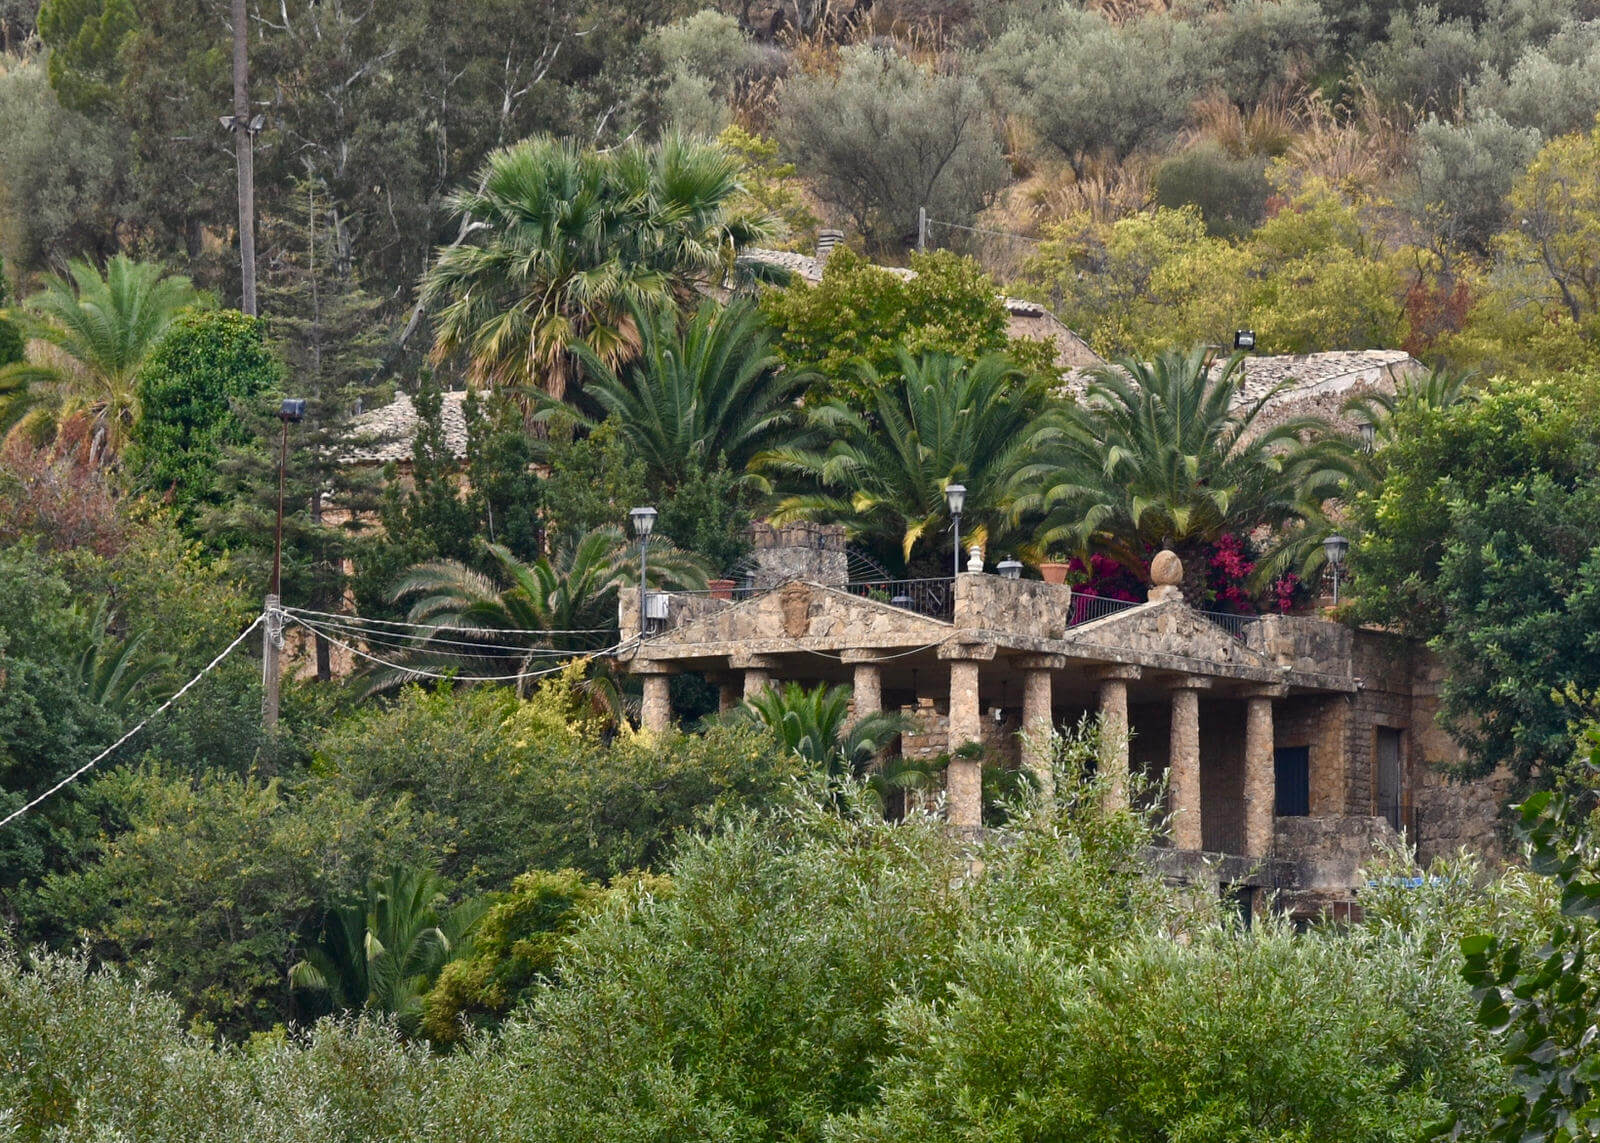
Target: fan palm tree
x=566, y=239
x=98, y=330
x=814, y=724
x=702, y=392
x=884, y=474
x=570, y=594
x=384, y=951
x=1164, y=454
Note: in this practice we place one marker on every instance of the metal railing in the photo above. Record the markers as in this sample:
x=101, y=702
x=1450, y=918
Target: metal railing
x=1239, y=626
x=935, y=598
x=1086, y=608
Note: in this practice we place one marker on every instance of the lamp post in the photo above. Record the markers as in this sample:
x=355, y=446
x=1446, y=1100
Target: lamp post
x=291, y=411
x=1335, y=548
x=955, y=495
x=644, y=522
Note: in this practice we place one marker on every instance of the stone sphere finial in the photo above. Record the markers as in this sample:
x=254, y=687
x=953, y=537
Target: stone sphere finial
x=1166, y=570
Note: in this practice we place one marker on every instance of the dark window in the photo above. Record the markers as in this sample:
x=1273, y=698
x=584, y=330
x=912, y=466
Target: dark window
x=1391, y=778
x=1293, y=766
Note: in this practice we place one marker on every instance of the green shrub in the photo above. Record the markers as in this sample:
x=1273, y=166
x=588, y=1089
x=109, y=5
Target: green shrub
x=1230, y=193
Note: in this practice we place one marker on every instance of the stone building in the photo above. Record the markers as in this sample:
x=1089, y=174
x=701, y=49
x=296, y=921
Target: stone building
x=1290, y=746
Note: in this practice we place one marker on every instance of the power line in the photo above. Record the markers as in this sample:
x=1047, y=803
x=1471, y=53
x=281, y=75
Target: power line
x=984, y=230
x=422, y=673
x=432, y=643
x=104, y=754
x=334, y=615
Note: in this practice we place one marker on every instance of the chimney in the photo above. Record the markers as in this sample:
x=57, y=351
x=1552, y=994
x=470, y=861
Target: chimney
x=826, y=241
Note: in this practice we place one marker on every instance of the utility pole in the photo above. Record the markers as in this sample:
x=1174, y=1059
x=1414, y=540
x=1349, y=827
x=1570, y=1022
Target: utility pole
x=291, y=411
x=922, y=229
x=244, y=128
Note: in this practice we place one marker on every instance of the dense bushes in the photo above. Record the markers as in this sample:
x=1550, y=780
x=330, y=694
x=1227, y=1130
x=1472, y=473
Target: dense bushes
x=823, y=974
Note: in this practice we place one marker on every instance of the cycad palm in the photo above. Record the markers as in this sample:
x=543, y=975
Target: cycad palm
x=814, y=724
x=570, y=594
x=100, y=329
x=699, y=393
x=568, y=239
x=383, y=952
x=884, y=474
x=1162, y=453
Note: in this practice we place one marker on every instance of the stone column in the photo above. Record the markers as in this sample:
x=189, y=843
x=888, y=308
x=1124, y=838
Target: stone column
x=757, y=672
x=964, y=778
x=1037, y=719
x=1260, y=778
x=728, y=695
x=756, y=680
x=866, y=690
x=1183, y=775
x=655, y=713
x=1114, y=731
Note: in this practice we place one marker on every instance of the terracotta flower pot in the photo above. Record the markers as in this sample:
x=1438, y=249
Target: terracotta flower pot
x=722, y=588
x=1054, y=572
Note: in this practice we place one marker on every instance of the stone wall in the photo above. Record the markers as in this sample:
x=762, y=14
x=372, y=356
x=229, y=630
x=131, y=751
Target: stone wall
x=814, y=552
x=1302, y=643
x=1448, y=815
x=994, y=603
x=1316, y=722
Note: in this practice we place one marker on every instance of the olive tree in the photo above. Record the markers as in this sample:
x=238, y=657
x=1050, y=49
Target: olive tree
x=885, y=137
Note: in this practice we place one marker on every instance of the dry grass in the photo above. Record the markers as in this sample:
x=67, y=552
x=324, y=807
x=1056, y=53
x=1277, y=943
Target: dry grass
x=1356, y=147
x=1269, y=128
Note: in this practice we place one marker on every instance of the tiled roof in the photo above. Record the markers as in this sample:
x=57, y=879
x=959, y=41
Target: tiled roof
x=385, y=434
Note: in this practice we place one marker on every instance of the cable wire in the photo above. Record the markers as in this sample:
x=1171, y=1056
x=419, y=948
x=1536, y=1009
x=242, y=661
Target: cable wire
x=106, y=753
x=431, y=644
x=433, y=626
x=422, y=673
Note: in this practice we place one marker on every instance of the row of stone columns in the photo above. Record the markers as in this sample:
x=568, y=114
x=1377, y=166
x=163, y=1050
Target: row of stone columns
x=964, y=779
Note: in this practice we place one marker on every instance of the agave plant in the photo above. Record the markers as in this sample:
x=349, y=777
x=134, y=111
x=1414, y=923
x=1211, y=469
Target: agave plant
x=384, y=951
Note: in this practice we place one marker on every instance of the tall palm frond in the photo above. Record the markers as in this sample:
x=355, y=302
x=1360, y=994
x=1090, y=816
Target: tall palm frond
x=1167, y=453
x=384, y=951
x=884, y=473
x=567, y=241
x=707, y=391
x=101, y=329
x=569, y=594
x=815, y=725
x=111, y=673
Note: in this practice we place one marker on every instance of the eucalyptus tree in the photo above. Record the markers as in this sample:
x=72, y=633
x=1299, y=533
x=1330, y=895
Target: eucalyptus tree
x=707, y=391
x=884, y=472
x=565, y=241
x=97, y=330
x=1170, y=453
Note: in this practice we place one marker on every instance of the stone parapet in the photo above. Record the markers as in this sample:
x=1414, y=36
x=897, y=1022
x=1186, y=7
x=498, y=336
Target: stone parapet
x=993, y=602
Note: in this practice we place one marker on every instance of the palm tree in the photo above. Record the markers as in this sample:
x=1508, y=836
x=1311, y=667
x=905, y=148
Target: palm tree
x=384, y=951
x=98, y=331
x=702, y=392
x=884, y=474
x=1164, y=454
x=566, y=239
x=1433, y=391
x=570, y=594
x=111, y=673
x=812, y=724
